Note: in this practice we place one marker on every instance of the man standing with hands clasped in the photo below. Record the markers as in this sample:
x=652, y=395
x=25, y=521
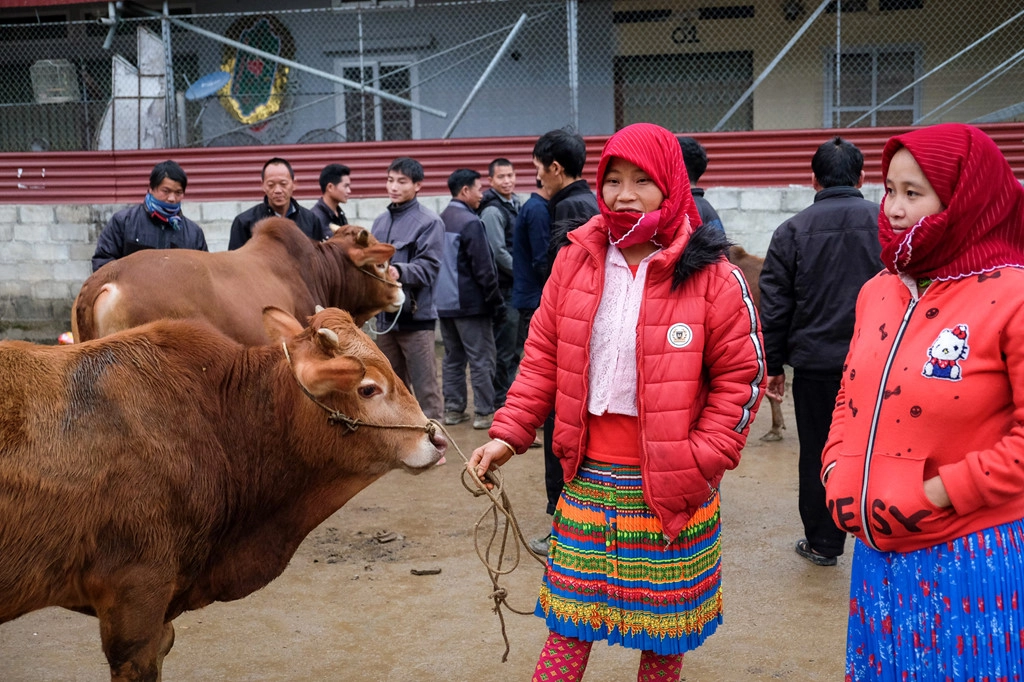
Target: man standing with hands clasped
x=468, y=299
x=815, y=266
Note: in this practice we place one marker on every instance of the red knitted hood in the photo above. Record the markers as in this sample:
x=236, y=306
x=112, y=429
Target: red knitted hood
x=656, y=151
x=982, y=227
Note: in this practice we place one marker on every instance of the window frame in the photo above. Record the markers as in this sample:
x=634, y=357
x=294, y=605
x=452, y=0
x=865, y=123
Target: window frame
x=830, y=111
x=375, y=63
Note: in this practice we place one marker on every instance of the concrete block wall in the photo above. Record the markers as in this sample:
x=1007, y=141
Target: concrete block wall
x=46, y=250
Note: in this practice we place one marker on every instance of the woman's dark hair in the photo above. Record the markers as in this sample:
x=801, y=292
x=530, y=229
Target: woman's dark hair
x=168, y=170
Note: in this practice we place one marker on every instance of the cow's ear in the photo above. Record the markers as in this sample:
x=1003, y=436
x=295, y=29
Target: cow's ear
x=321, y=377
x=280, y=325
x=377, y=253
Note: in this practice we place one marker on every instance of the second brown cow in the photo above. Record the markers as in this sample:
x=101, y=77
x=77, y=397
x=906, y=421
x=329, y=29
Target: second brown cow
x=278, y=267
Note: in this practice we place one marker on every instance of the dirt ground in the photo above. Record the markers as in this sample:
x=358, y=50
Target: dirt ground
x=349, y=608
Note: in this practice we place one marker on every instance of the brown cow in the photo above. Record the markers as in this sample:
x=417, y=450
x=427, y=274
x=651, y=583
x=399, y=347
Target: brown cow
x=166, y=467
x=278, y=267
x=751, y=266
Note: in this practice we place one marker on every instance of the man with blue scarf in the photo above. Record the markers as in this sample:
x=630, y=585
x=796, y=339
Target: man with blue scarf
x=156, y=223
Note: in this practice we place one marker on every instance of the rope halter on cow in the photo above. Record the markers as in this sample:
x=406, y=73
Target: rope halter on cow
x=351, y=424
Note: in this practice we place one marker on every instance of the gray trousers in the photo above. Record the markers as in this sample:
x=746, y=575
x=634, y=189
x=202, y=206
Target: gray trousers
x=411, y=354
x=468, y=339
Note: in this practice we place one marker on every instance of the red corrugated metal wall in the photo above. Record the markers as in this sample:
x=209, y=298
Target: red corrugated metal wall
x=750, y=159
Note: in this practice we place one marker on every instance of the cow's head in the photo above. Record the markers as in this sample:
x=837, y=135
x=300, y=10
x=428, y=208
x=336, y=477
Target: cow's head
x=342, y=371
x=371, y=257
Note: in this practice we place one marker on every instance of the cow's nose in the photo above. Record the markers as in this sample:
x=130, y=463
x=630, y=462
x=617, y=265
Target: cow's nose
x=439, y=441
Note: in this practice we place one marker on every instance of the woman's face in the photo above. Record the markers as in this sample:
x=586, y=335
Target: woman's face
x=628, y=188
x=908, y=194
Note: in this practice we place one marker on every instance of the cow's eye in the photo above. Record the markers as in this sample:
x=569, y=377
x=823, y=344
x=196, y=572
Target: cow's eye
x=369, y=390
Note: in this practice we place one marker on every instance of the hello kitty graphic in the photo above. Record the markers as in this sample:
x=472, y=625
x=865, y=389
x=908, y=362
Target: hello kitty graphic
x=945, y=353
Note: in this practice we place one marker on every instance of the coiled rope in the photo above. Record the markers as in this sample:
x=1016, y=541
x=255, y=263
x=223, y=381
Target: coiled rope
x=496, y=542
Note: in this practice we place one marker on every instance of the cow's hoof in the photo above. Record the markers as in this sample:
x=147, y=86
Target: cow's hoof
x=772, y=437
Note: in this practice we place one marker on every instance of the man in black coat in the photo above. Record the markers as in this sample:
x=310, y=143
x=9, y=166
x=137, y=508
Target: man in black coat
x=815, y=266
x=278, y=183
x=156, y=223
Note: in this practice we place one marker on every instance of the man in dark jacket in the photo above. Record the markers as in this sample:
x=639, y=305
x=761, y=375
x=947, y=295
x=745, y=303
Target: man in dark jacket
x=335, y=188
x=156, y=223
x=467, y=297
x=559, y=157
x=278, y=183
x=417, y=234
x=816, y=264
x=498, y=210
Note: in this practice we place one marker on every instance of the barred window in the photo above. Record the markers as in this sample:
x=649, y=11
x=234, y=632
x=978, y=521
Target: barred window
x=868, y=76
x=365, y=117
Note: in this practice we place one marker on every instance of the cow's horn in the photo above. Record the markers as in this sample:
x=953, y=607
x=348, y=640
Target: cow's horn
x=318, y=309
x=330, y=335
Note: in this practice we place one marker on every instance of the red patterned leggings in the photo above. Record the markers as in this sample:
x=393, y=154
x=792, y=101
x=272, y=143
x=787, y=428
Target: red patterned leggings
x=564, y=659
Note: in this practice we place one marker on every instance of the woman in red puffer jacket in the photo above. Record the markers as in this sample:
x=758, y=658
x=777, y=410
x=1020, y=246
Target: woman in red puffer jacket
x=647, y=345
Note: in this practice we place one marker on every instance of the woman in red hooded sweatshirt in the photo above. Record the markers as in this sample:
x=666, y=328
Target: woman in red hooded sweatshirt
x=925, y=458
x=647, y=346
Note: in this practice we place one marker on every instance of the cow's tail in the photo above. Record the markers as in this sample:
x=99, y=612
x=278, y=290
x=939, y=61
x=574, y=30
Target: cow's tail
x=91, y=305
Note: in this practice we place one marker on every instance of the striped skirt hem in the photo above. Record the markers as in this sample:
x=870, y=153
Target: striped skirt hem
x=611, y=576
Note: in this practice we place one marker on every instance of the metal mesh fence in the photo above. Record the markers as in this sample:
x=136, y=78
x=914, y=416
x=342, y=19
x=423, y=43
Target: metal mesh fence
x=74, y=80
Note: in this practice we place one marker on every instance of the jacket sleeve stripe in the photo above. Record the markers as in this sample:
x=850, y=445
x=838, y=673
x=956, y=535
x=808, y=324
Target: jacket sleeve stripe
x=755, y=384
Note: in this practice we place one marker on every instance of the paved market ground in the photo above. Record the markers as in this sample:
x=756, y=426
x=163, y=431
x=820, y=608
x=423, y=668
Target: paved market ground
x=349, y=608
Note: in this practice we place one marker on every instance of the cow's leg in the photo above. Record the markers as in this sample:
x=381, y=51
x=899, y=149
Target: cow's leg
x=132, y=628
x=778, y=422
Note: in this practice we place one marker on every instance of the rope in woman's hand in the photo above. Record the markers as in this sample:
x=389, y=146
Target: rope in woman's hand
x=500, y=503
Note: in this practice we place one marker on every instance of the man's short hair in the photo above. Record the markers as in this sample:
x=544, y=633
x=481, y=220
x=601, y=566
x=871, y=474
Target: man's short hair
x=410, y=168
x=566, y=148
x=277, y=161
x=332, y=175
x=168, y=170
x=837, y=163
x=695, y=157
x=493, y=166
x=463, y=177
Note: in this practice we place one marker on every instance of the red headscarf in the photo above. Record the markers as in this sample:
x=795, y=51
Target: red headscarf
x=982, y=226
x=656, y=151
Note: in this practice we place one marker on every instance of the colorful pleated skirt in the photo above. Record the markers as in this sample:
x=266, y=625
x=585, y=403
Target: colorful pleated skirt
x=611, y=576
x=948, y=612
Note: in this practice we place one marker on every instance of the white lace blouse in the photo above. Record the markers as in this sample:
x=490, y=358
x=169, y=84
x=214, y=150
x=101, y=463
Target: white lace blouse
x=613, y=340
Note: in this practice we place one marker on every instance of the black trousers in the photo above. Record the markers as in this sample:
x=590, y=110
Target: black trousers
x=813, y=399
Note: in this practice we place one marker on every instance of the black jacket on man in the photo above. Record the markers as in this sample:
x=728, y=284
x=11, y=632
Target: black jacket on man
x=241, y=228
x=326, y=216
x=467, y=283
x=815, y=266
x=134, y=229
x=570, y=207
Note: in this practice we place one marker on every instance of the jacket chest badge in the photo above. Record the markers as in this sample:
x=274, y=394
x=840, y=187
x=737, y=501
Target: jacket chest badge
x=945, y=354
x=680, y=335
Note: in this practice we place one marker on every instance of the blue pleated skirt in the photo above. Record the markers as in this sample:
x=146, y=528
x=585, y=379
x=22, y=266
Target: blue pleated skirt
x=948, y=612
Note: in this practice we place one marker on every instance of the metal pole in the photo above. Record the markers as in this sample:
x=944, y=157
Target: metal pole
x=778, y=58
x=292, y=64
x=940, y=66
x=837, y=117
x=362, y=77
x=980, y=83
x=574, y=77
x=483, y=77
x=170, y=103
